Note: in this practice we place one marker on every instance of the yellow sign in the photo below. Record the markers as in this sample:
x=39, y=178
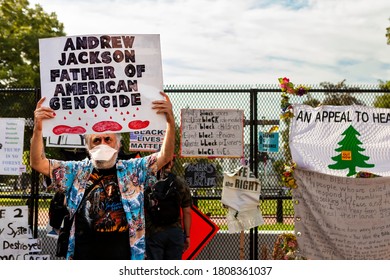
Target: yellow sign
x=346, y=155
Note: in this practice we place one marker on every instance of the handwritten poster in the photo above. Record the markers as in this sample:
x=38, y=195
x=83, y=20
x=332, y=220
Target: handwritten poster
x=241, y=194
x=212, y=133
x=340, y=218
x=15, y=240
x=101, y=83
x=241, y=189
x=200, y=175
x=11, y=146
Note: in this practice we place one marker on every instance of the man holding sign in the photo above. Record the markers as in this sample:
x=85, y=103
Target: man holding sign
x=104, y=195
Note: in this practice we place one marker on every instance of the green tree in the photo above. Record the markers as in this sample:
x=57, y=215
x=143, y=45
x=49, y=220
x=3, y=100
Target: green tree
x=350, y=156
x=383, y=101
x=21, y=26
x=340, y=94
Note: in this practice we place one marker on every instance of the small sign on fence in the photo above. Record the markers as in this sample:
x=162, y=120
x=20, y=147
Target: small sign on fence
x=15, y=239
x=11, y=146
x=201, y=175
x=212, y=133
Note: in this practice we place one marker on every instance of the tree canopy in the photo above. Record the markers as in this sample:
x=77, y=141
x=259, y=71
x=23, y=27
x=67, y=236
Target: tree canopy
x=383, y=101
x=21, y=26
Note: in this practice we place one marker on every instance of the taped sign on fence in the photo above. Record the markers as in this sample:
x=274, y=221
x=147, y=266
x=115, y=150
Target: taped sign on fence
x=15, y=240
x=212, y=133
x=241, y=189
x=201, y=175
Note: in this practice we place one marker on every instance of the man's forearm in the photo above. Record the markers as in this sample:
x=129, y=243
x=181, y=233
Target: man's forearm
x=187, y=220
x=38, y=159
x=168, y=146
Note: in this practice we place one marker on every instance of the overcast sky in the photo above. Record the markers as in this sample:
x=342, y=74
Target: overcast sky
x=251, y=42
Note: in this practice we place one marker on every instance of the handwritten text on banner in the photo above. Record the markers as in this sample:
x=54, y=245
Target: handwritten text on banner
x=342, y=218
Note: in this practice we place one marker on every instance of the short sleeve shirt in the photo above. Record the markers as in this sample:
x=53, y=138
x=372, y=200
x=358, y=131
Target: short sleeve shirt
x=132, y=175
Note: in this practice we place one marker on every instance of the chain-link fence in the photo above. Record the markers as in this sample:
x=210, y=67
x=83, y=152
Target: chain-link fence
x=262, y=107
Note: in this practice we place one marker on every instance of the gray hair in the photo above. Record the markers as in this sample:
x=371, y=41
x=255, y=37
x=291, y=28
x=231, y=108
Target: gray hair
x=118, y=136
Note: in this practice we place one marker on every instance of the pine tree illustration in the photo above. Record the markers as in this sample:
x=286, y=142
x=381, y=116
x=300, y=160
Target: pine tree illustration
x=350, y=156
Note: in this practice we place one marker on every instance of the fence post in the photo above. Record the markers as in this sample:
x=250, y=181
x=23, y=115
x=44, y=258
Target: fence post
x=279, y=208
x=253, y=234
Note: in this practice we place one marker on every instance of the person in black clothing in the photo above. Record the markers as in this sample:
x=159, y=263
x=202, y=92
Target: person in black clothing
x=169, y=241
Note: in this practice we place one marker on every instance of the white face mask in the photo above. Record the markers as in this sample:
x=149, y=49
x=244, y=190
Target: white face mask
x=103, y=156
x=102, y=152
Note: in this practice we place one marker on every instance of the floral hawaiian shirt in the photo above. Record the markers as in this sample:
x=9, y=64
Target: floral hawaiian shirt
x=133, y=176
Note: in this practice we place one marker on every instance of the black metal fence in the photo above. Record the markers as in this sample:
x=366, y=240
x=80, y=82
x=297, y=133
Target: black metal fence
x=262, y=108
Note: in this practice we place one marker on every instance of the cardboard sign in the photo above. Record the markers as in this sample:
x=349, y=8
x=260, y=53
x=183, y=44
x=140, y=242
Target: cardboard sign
x=15, y=242
x=212, y=133
x=101, y=83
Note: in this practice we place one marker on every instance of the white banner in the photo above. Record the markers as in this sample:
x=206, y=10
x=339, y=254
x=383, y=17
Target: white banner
x=342, y=218
x=101, y=83
x=341, y=140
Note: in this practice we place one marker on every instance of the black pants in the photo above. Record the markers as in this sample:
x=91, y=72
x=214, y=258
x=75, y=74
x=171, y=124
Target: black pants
x=102, y=246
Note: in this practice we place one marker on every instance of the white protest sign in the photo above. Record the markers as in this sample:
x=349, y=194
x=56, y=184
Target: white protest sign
x=212, y=133
x=341, y=140
x=241, y=194
x=14, y=236
x=339, y=218
x=101, y=83
x=22, y=245
x=11, y=145
x=241, y=189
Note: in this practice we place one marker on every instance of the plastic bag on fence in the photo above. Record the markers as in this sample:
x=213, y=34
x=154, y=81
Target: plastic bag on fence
x=242, y=220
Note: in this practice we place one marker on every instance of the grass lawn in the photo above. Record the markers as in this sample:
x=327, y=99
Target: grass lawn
x=268, y=207
x=213, y=208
